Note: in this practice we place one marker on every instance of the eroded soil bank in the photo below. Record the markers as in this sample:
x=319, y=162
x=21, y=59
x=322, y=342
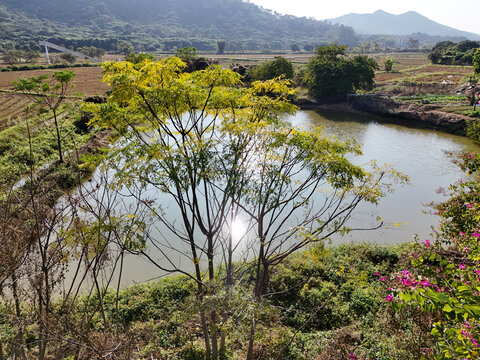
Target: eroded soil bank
x=389, y=111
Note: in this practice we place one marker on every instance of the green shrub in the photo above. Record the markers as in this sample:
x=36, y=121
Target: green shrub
x=473, y=129
x=272, y=69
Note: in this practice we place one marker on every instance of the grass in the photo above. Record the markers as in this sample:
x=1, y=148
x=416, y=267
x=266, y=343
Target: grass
x=15, y=158
x=434, y=98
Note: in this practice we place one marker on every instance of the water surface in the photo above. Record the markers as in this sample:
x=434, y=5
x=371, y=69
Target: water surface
x=418, y=153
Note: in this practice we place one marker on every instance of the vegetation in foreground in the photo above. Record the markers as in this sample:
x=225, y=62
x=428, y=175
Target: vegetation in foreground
x=321, y=304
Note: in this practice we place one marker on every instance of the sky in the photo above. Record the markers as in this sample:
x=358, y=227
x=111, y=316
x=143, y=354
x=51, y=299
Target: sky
x=460, y=14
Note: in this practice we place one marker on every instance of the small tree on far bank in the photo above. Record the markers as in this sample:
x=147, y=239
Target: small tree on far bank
x=329, y=72
x=272, y=69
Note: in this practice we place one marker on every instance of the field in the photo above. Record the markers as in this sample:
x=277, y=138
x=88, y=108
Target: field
x=415, y=68
x=87, y=81
x=412, y=75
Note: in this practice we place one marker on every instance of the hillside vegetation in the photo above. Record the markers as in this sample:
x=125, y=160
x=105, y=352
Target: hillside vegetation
x=160, y=25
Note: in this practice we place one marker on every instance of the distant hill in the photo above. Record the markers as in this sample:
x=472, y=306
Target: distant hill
x=160, y=24
x=381, y=22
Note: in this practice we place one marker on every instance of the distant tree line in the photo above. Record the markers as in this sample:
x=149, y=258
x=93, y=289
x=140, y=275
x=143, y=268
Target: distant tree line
x=450, y=53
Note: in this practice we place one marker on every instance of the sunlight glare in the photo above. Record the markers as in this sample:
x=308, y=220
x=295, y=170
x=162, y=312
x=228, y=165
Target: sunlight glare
x=238, y=229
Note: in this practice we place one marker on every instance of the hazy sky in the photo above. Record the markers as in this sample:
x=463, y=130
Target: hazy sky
x=460, y=14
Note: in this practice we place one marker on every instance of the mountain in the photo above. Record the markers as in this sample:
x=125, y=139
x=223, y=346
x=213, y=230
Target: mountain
x=381, y=22
x=160, y=25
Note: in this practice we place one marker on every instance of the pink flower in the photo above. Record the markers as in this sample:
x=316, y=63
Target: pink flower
x=377, y=274
x=427, y=243
x=425, y=283
x=462, y=233
x=383, y=278
x=476, y=235
x=469, y=205
x=461, y=267
x=389, y=297
x=352, y=356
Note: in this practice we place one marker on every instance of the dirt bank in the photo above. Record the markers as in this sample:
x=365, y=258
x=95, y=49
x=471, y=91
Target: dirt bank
x=389, y=111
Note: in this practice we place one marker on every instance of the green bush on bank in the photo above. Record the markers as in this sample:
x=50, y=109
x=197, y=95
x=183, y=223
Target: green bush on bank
x=450, y=53
x=271, y=69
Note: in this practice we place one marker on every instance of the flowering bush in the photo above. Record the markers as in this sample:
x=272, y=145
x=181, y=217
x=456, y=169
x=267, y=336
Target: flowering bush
x=444, y=277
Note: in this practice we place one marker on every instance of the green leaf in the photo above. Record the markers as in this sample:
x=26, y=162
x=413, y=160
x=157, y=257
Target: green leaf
x=447, y=308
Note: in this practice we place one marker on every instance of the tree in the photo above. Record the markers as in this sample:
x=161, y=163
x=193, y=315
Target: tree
x=413, y=44
x=308, y=48
x=92, y=51
x=124, y=47
x=12, y=57
x=220, y=46
x=187, y=54
x=330, y=73
x=295, y=48
x=272, y=69
x=388, y=64
x=50, y=94
x=346, y=35
x=447, y=52
x=32, y=56
x=219, y=153
x=476, y=63
x=69, y=58
x=138, y=58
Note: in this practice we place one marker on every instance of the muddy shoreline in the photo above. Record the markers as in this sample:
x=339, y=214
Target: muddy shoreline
x=389, y=111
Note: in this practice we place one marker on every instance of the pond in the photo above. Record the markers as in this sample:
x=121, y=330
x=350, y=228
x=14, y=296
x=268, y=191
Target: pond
x=418, y=153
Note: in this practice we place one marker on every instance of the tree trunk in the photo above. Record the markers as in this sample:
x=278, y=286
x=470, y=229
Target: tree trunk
x=206, y=335
x=42, y=342
x=18, y=313
x=213, y=313
x=59, y=142
x=250, y=341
